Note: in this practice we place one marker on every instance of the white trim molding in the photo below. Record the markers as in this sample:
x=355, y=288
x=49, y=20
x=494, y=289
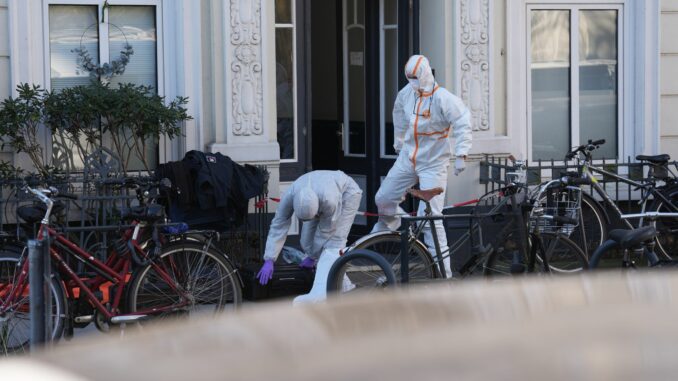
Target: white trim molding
x=473, y=57
x=247, y=96
x=638, y=71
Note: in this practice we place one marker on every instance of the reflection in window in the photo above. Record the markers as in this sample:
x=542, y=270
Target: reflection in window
x=71, y=27
x=135, y=26
x=598, y=79
x=354, y=86
x=554, y=125
x=285, y=78
x=550, y=71
x=391, y=72
x=74, y=27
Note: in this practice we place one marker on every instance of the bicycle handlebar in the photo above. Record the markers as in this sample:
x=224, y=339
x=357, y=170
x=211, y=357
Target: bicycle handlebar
x=585, y=148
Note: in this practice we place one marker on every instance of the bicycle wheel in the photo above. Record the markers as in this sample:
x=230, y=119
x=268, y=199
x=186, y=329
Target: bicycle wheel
x=15, y=327
x=360, y=271
x=507, y=259
x=594, y=225
x=186, y=281
x=564, y=255
x=667, y=228
x=387, y=244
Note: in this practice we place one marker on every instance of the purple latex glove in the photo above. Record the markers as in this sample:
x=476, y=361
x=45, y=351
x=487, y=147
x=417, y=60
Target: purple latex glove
x=307, y=263
x=266, y=272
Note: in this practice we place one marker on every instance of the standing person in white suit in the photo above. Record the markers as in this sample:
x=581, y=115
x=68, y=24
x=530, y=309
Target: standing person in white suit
x=425, y=117
x=326, y=202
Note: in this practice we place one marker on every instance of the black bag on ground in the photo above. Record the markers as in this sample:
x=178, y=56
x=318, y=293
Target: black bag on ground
x=288, y=280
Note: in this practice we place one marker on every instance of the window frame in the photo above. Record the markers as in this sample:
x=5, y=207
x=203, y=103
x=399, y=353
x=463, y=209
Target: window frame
x=574, y=8
x=104, y=55
x=383, y=27
x=295, y=124
x=163, y=143
x=346, y=118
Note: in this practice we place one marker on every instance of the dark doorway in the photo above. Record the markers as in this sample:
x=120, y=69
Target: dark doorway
x=357, y=50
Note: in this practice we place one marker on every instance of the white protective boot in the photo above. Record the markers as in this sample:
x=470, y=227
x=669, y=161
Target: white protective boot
x=319, y=290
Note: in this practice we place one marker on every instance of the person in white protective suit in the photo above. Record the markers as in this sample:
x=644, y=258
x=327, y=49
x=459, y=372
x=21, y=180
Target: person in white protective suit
x=326, y=202
x=426, y=117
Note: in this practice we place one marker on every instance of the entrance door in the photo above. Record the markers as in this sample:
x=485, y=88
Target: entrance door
x=356, y=59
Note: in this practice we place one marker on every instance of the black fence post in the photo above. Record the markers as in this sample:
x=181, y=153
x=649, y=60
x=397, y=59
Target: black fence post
x=404, y=252
x=40, y=300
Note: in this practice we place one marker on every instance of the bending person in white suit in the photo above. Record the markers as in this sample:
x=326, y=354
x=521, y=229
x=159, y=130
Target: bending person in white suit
x=425, y=117
x=326, y=202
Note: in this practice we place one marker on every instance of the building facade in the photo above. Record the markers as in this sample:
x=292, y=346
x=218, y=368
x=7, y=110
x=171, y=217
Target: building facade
x=299, y=85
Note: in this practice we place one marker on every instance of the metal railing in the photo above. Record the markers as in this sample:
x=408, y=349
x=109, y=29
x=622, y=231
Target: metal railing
x=493, y=172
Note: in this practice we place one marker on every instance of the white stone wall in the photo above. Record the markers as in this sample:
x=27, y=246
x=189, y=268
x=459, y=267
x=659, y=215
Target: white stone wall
x=5, y=83
x=4, y=51
x=238, y=83
x=669, y=77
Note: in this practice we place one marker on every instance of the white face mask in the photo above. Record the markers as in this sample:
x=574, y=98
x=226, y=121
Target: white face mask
x=414, y=83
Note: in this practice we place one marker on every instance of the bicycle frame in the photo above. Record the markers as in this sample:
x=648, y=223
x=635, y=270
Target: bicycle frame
x=115, y=270
x=421, y=222
x=647, y=189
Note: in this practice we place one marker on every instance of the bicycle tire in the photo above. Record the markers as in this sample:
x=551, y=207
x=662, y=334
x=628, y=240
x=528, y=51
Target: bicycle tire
x=148, y=290
x=387, y=244
x=364, y=270
x=16, y=338
x=515, y=262
x=667, y=228
x=564, y=255
x=595, y=225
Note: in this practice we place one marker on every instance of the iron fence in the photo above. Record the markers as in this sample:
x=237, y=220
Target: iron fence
x=95, y=219
x=493, y=174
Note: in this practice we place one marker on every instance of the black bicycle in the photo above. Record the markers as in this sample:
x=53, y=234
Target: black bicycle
x=637, y=246
x=659, y=193
x=531, y=236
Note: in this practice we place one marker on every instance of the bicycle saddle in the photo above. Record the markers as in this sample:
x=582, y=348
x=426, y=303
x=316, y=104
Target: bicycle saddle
x=655, y=159
x=34, y=213
x=150, y=213
x=425, y=194
x=628, y=239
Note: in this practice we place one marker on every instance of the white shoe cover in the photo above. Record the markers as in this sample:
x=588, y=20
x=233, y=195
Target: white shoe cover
x=319, y=290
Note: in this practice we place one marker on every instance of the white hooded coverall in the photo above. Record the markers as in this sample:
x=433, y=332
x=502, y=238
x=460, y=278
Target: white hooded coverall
x=426, y=119
x=325, y=229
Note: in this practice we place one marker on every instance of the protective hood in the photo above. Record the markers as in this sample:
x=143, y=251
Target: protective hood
x=418, y=73
x=306, y=203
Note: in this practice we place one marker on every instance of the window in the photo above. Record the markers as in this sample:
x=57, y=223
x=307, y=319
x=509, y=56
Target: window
x=389, y=73
x=354, y=78
x=574, y=79
x=286, y=78
x=102, y=29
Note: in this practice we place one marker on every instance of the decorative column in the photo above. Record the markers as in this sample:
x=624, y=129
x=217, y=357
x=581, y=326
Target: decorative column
x=247, y=97
x=244, y=108
x=473, y=59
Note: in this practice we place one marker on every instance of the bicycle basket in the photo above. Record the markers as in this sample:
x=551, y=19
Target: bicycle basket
x=561, y=202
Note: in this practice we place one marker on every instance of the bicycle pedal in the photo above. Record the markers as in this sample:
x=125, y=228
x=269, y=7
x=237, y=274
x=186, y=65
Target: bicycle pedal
x=127, y=319
x=84, y=319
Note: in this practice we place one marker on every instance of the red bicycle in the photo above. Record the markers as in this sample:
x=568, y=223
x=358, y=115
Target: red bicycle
x=146, y=275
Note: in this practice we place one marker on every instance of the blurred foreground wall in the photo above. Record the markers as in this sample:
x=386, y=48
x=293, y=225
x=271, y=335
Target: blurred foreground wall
x=608, y=326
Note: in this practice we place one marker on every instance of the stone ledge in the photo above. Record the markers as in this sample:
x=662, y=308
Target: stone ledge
x=248, y=153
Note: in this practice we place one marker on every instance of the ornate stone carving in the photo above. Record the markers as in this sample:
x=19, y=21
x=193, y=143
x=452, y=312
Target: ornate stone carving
x=246, y=67
x=475, y=67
